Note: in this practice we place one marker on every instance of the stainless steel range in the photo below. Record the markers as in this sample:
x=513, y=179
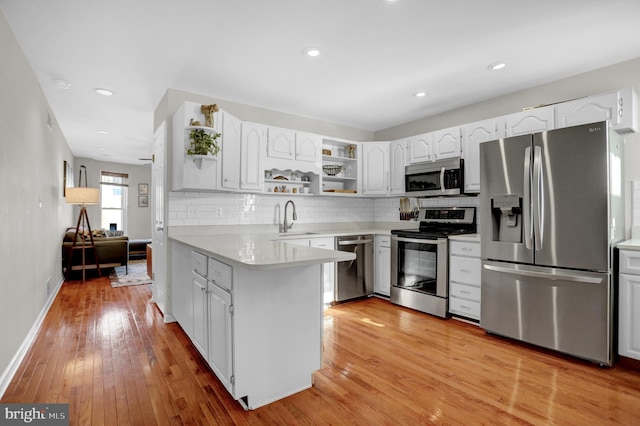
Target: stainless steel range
x=419, y=258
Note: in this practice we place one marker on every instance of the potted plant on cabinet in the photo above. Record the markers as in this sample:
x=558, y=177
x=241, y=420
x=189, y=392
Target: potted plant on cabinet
x=203, y=143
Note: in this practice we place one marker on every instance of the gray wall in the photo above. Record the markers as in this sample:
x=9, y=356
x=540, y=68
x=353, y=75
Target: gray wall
x=33, y=211
x=138, y=218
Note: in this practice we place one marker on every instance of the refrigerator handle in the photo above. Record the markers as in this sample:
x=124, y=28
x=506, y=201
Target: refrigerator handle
x=538, y=199
x=526, y=200
x=551, y=275
x=442, y=188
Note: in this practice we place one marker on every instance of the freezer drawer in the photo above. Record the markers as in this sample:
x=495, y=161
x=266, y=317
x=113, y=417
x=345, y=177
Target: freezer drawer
x=568, y=311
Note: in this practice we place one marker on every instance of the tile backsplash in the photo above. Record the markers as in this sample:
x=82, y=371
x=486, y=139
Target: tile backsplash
x=205, y=209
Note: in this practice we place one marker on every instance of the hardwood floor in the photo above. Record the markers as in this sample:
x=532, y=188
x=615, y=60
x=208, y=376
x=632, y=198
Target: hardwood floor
x=109, y=355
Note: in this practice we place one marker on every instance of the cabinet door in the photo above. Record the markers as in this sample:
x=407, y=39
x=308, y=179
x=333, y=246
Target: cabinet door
x=473, y=134
x=446, y=143
x=382, y=281
x=254, y=139
x=199, y=293
x=531, y=121
x=220, y=335
x=617, y=107
x=231, y=130
x=420, y=148
x=629, y=316
x=375, y=168
x=281, y=143
x=398, y=162
x=307, y=147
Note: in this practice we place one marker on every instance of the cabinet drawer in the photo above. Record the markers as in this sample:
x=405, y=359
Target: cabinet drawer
x=199, y=263
x=465, y=308
x=465, y=270
x=465, y=248
x=384, y=241
x=630, y=262
x=220, y=273
x=465, y=292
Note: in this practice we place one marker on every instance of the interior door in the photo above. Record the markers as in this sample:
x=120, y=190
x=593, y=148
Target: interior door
x=159, y=252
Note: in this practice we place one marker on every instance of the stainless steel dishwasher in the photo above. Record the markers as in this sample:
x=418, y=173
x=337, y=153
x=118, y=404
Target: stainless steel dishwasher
x=355, y=277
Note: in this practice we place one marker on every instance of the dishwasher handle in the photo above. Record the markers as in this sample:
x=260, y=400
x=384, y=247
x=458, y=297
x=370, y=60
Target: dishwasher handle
x=351, y=242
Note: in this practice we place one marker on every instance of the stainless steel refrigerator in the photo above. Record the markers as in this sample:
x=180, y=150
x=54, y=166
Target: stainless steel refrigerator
x=551, y=211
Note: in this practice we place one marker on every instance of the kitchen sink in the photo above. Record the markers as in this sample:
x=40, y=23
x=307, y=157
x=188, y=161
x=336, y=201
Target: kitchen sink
x=295, y=233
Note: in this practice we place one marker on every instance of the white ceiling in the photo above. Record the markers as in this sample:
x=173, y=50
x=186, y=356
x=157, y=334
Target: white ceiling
x=375, y=55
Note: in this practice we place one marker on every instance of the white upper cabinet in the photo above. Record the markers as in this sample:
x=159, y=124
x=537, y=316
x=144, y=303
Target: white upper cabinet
x=398, y=161
x=231, y=128
x=193, y=172
x=446, y=143
x=281, y=143
x=253, y=145
x=618, y=107
x=473, y=134
x=375, y=168
x=420, y=148
x=530, y=121
x=308, y=147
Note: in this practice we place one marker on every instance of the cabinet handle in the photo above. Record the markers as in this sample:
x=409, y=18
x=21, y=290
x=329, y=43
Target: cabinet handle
x=466, y=248
x=465, y=271
x=465, y=292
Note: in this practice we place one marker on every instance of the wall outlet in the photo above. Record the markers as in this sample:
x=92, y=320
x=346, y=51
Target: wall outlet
x=219, y=212
x=191, y=211
x=48, y=285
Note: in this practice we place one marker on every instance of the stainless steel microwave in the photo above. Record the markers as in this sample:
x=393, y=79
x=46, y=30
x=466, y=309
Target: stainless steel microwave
x=434, y=179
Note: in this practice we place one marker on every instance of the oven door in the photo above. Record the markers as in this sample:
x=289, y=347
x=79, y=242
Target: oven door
x=419, y=265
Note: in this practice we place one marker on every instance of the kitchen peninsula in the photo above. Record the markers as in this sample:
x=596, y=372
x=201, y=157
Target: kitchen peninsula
x=252, y=305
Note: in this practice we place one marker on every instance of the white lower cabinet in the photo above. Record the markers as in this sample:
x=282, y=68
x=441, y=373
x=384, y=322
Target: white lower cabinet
x=464, y=279
x=629, y=304
x=220, y=334
x=200, y=312
x=382, y=262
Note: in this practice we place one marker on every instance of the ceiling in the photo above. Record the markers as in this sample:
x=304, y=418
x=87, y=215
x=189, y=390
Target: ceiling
x=375, y=54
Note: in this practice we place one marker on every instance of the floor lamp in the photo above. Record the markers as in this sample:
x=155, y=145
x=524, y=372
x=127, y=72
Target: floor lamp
x=82, y=196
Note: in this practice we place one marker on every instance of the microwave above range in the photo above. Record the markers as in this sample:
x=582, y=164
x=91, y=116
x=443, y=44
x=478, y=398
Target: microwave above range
x=435, y=179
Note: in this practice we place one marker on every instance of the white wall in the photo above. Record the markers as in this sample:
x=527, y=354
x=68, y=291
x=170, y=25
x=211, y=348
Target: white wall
x=33, y=210
x=138, y=218
x=598, y=81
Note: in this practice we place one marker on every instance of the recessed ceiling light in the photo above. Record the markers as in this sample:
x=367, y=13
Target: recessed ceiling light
x=101, y=148
x=497, y=65
x=102, y=132
x=420, y=94
x=103, y=92
x=62, y=84
x=312, y=51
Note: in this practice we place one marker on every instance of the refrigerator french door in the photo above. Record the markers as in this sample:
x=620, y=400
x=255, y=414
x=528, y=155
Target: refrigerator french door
x=551, y=210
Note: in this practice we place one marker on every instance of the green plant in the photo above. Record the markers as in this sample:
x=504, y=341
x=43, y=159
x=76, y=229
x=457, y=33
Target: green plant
x=203, y=143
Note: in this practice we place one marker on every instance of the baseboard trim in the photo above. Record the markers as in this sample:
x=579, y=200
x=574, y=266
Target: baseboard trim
x=12, y=368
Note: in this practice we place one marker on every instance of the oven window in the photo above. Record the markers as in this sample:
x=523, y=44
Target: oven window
x=423, y=182
x=417, y=264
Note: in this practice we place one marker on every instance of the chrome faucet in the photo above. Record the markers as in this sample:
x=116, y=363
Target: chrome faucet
x=285, y=226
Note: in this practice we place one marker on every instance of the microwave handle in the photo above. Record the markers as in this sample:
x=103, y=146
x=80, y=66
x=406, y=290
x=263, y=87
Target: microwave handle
x=442, y=188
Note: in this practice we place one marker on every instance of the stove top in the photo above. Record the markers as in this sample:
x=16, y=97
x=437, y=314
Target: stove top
x=436, y=222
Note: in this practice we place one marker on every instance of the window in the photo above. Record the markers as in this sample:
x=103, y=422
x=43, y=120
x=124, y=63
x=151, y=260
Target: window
x=113, y=200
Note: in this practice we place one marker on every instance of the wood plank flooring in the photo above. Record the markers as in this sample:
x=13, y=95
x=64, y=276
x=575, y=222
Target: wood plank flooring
x=108, y=354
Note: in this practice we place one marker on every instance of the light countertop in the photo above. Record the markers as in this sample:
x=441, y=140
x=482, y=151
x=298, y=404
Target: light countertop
x=261, y=251
x=633, y=244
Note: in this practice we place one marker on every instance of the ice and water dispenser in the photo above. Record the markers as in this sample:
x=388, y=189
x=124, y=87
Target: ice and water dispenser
x=506, y=215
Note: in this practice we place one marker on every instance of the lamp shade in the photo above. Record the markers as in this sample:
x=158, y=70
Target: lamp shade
x=82, y=195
